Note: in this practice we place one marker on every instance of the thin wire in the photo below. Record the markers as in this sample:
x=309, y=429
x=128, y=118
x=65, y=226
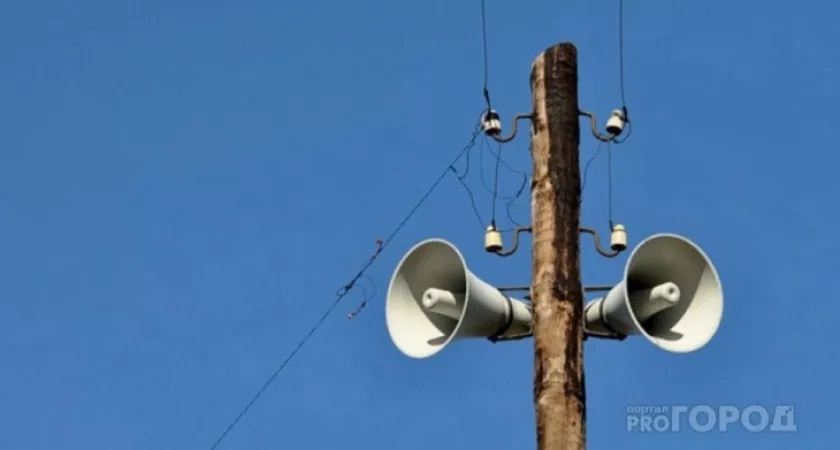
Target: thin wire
x=505, y=163
x=484, y=47
x=342, y=292
x=609, y=184
x=366, y=297
x=621, y=74
x=467, y=165
x=512, y=201
x=492, y=191
x=589, y=163
x=432, y=188
x=277, y=372
x=472, y=200
x=496, y=185
x=484, y=183
x=461, y=177
x=621, y=50
x=623, y=106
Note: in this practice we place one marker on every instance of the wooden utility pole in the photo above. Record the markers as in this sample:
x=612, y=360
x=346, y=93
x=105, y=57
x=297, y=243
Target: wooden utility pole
x=557, y=294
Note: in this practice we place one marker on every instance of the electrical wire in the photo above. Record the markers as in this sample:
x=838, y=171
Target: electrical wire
x=472, y=200
x=621, y=73
x=499, y=160
x=485, y=147
x=484, y=48
x=460, y=177
x=496, y=186
x=609, y=177
x=505, y=163
x=494, y=191
x=343, y=291
x=279, y=369
x=589, y=163
x=366, y=297
x=512, y=201
x=609, y=186
x=624, y=110
x=621, y=51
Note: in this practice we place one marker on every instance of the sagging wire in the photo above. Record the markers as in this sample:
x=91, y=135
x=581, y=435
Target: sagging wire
x=494, y=191
x=504, y=162
x=588, y=164
x=342, y=292
x=510, y=199
x=366, y=296
x=492, y=125
x=513, y=201
x=462, y=176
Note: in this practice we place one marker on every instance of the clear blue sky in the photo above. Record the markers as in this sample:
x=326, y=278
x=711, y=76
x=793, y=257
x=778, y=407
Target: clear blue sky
x=185, y=184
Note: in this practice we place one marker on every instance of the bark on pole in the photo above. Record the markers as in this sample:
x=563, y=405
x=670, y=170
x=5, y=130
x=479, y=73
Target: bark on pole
x=557, y=294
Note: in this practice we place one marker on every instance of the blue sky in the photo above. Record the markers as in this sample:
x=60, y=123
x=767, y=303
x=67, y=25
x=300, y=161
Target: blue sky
x=185, y=184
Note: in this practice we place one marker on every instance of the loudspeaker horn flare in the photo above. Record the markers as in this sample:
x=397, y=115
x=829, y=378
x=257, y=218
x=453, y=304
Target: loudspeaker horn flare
x=433, y=300
x=670, y=293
